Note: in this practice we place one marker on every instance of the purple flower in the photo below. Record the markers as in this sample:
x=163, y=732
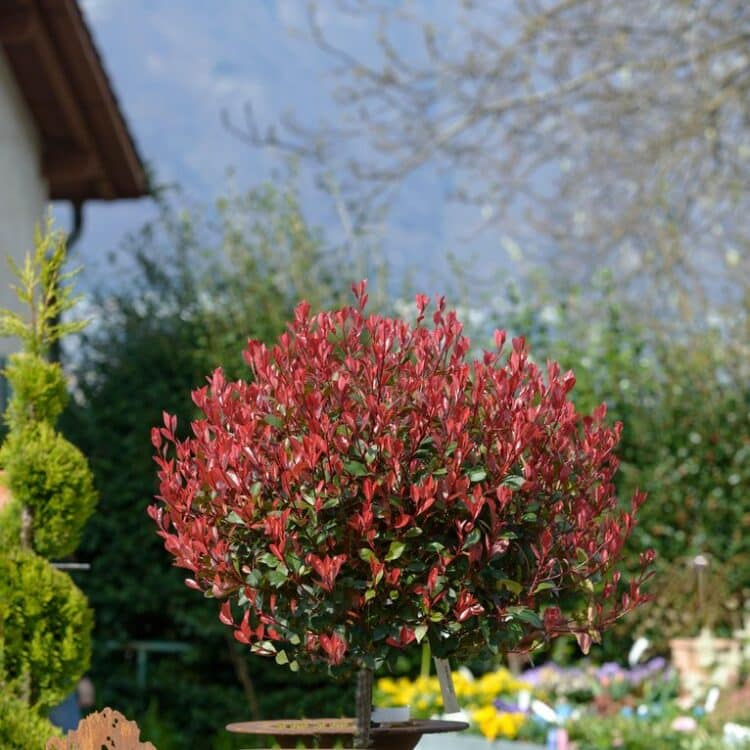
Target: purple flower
x=656, y=666
x=509, y=708
x=543, y=674
x=609, y=671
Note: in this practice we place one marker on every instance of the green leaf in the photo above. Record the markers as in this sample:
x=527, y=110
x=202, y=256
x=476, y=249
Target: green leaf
x=420, y=632
x=369, y=595
x=281, y=657
x=477, y=475
x=366, y=554
x=233, y=517
x=525, y=615
x=472, y=538
x=274, y=421
x=512, y=586
x=270, y=560
x=543, y=586
x=355, y=468
x=514, y=482
x=395, y=550
x=381, y=632
x=293, y=562
x=277, y=578
x=254, y=578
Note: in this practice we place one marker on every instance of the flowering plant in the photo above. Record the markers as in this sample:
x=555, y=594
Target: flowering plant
x=608, y=687
x=490, y=702
x=368, y=487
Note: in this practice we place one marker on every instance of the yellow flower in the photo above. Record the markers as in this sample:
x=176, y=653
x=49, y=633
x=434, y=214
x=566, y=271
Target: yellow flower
x=492, y=723
x=465, y=687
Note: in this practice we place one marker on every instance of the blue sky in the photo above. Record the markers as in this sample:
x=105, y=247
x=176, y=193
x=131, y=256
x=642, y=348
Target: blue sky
x=177, y=64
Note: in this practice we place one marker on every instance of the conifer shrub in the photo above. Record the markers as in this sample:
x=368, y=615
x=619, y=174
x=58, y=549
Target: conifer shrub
x=46, y=630
x=39, y=390
x=10, y=525
x=45, y=621
x=51, y=477
x=22, y=728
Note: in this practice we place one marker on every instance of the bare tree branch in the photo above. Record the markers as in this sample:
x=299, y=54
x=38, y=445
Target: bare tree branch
x=607, y=133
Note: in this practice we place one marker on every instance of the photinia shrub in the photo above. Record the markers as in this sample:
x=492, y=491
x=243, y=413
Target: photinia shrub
x=369, y=487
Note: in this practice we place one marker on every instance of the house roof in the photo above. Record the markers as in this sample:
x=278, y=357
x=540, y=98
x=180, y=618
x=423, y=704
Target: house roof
x=87, y=149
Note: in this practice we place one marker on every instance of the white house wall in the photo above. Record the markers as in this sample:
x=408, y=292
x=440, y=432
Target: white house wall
x=23, y=191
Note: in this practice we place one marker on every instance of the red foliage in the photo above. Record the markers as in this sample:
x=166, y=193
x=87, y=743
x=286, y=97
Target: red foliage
x=369, y=487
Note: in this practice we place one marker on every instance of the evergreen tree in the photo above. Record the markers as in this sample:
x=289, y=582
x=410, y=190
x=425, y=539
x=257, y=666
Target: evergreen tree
x=45, y=621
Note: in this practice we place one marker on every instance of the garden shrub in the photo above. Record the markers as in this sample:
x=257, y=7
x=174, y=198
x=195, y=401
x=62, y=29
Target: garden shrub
x=10, y=525
x=45, y=622
x=46, y=628
x=39, y=390
x=21, y=727
x=51, y=477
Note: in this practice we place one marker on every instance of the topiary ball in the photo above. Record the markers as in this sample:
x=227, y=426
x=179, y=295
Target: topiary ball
x=22, y=728
x=46, y=626
x=51, y=477
x=38, y=390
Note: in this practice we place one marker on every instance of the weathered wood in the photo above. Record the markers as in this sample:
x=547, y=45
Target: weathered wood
x=325, y=733
x=103, y=730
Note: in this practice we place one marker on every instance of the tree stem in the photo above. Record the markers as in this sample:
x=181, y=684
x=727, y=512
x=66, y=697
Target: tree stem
x=243, y=676
x=27, y=522
x=426, y=653
x=364, y=707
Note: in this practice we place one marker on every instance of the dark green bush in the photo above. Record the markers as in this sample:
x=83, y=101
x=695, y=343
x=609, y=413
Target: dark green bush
x=50, y=477
x=46, y=629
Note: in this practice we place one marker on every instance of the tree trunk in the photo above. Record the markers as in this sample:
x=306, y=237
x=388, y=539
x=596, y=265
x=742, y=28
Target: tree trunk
x=364, y=708
x=27, y=522
x=243, y=676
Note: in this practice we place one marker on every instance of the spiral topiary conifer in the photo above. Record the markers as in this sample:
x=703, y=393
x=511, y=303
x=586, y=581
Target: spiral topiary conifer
x=48, y=493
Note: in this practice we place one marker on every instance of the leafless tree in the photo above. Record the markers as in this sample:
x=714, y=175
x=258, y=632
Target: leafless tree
x=588, y=133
